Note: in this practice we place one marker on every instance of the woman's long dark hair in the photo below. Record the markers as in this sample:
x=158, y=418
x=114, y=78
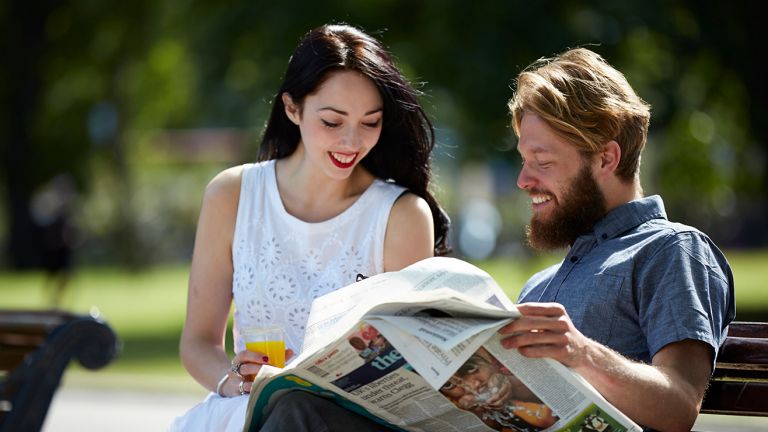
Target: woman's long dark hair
x=402, y=153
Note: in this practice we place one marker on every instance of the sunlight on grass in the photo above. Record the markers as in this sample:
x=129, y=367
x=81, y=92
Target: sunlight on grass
x=147, y=302
x=511, y=274
x=750, y=273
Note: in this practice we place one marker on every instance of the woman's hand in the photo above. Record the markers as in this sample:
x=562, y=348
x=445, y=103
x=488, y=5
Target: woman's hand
x=243, y=370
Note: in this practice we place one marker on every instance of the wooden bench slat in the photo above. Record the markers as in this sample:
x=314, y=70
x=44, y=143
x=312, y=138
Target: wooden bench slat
x=11, y=357
x=748, y=329
x=740, y=375
x=736, y=398
x=26, y=340
x=22, y=318
x=743, y=353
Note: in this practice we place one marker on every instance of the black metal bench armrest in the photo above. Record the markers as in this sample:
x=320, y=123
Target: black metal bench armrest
x=35, y=349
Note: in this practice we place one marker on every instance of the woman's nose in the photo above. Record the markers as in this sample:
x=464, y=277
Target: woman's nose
x=351, y=138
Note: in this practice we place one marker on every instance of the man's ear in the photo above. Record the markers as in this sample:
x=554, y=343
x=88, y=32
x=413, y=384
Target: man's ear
x=610, y=157
x=291, y=109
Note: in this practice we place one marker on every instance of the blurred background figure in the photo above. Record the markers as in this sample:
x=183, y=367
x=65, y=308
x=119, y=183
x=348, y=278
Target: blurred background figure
x=479, y=220
x=52, y=209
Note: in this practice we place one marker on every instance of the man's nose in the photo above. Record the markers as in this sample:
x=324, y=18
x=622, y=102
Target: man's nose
x=524, y=179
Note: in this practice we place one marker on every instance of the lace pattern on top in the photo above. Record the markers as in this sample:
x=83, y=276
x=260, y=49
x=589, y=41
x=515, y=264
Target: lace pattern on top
x=282, y=263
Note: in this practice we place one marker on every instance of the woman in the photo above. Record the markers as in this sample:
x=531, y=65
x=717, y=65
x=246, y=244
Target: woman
x=341, y=189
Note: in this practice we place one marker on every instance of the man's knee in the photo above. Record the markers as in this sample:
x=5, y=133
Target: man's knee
x=295, y=402
x=302, y=411
x=295, y=411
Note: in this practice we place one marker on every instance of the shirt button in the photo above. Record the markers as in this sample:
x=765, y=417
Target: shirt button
x=574, y=259
x=604, y=236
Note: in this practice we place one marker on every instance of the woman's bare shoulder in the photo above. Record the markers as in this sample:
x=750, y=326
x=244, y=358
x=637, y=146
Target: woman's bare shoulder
x=408, y=207
x=225, y=185
x=410, y=232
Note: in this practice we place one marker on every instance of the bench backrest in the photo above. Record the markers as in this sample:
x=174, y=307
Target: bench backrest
x=739, y=384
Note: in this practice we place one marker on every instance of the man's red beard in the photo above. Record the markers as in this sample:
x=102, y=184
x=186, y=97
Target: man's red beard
x=581, y=207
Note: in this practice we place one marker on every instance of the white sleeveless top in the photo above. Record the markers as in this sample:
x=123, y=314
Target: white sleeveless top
x=282, y=263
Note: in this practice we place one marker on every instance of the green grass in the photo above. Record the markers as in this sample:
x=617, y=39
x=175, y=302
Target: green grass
x=511, y=274
x=750, y=273
x=146, y=310
x=144, y=303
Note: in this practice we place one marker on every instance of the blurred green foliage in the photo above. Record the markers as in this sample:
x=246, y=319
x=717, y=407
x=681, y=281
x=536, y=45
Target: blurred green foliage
x=90, y=88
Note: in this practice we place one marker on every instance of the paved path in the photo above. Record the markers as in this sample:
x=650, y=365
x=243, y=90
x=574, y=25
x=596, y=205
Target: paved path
x=92, y=410
x=716, y=423
x=97, y=410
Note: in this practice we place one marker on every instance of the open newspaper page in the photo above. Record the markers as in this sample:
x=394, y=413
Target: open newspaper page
x=503, y=389
x=418, y=350
x=348, y=305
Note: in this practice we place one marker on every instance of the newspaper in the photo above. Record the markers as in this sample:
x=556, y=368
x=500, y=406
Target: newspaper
x=419, y=350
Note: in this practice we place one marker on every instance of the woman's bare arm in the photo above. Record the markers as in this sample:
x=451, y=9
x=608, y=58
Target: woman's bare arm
x=210, y=282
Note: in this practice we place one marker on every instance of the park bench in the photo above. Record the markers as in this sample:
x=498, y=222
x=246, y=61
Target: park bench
x=739, y=385
x=35, y=349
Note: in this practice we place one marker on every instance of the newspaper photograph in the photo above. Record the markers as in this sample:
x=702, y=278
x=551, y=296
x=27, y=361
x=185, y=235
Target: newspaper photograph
x=419, y=350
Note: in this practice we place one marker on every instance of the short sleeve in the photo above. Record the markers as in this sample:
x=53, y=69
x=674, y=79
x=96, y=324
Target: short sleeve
x=685, y=292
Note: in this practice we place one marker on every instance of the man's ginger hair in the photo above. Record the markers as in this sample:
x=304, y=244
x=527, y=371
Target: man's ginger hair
x=587, y=102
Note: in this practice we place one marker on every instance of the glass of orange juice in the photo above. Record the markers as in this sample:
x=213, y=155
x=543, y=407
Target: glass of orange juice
x=269, y=341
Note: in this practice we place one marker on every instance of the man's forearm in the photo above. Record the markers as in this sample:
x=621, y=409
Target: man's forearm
x=656, y=396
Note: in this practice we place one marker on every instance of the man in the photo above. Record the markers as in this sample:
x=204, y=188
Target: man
x=639, y=305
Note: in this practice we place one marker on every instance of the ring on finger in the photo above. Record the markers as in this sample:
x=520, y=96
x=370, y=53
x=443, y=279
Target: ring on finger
x=242, y=389
x=235, y=368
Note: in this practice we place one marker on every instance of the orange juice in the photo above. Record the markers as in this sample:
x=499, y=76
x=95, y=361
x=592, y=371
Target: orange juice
x=274, y=349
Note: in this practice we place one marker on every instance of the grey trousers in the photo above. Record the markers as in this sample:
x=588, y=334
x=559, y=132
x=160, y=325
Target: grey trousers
x=301, y=411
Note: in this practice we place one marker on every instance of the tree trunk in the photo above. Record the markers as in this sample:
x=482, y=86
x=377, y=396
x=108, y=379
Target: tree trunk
x=25, y=39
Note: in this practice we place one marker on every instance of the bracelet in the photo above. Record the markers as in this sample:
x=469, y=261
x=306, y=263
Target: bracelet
x=221, y=384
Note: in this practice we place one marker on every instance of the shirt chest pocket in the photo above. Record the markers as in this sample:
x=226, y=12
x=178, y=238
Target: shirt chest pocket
x=594, y=305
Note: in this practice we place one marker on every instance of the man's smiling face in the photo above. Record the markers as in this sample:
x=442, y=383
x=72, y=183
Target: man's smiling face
x=565, y=198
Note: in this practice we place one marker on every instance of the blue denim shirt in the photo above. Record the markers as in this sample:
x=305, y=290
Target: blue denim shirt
x=638, y=282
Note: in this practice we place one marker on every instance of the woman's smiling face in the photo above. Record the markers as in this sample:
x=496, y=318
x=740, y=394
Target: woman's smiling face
x=340, y=122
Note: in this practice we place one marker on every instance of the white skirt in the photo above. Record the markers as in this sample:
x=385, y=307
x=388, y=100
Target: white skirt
x=215, y=413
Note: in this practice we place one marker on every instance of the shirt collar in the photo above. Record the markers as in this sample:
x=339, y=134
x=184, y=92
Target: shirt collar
x=628, y=216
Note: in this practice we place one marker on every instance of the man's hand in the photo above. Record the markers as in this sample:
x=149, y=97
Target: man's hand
x=545, y=330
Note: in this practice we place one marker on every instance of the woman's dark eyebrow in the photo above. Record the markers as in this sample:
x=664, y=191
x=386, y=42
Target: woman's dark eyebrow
x=338, y=111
